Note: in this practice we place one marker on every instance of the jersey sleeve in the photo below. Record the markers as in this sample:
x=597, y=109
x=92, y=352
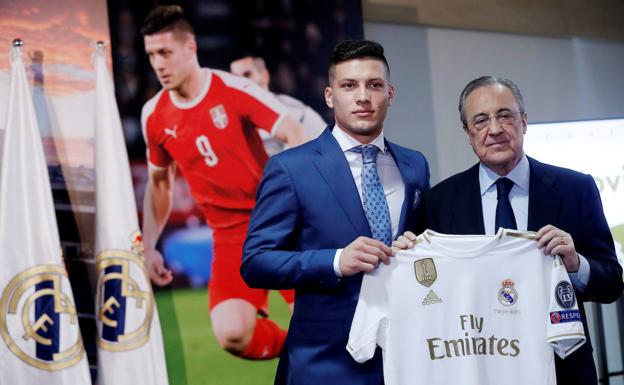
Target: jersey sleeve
x=368, y=328
x=261, y=107
x=565, y=327
x=313, y=123
x=156, y=156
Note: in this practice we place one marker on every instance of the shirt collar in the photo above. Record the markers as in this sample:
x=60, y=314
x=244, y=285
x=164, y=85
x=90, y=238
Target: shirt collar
x=519, y=175
x=347, y=142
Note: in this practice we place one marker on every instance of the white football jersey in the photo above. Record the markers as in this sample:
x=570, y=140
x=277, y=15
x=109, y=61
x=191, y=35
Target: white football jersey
x=470, y=310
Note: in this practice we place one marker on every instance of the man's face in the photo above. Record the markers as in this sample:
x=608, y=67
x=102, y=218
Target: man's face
x=247, y=68
x=360, y=94
x=172, y=57
x=498, y=145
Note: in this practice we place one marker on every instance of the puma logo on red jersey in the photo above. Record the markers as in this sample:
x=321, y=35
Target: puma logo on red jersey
x=172, y=132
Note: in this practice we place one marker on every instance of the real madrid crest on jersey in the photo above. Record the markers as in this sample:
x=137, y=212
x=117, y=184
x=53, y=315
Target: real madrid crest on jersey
x=125, y=302
x=219, y=116
x=38, y=320
x=425, y=270
x=507, y=295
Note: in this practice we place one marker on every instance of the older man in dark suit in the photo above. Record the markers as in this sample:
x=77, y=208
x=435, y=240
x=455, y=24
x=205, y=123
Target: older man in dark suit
x=508, y=189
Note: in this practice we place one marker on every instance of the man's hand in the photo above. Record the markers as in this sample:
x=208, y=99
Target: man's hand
x=554, y=241
x=156, y=269
x=405, y=241
x=363, y=254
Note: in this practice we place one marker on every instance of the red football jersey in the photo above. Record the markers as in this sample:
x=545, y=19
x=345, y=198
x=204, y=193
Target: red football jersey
x=214, y=142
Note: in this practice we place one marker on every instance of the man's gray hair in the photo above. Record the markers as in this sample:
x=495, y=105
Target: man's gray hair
x=488, y=81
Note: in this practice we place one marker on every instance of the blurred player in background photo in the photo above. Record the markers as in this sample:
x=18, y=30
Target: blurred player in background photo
x=205, y=122
x=254, y=68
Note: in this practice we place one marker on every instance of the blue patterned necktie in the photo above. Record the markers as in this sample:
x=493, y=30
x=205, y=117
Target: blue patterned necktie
x=504, y=213
x=375, y=204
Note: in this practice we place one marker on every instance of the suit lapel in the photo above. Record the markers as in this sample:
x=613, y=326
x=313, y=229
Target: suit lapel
x=467, y=206
x=333, y=167
x=409, y=180
x=542, y=208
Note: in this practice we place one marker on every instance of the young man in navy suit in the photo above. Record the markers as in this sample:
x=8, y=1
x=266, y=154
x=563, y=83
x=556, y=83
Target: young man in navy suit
x=316, y=228
x=561, y=205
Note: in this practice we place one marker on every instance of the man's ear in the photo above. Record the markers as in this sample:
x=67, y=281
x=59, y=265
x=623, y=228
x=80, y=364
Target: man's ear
x=329, y=93
x=191, y=44
x=390, y=94
x=525, y=120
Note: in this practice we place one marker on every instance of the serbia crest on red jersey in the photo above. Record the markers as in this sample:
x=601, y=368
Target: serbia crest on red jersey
x=219, y=117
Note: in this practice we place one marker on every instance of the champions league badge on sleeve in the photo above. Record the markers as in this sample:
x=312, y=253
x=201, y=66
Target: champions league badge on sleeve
x=125, y=303
x=507, y=295
x=38, y=319
x=564, y=294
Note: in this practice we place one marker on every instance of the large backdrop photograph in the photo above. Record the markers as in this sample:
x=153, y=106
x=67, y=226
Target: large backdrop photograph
x=284, y=47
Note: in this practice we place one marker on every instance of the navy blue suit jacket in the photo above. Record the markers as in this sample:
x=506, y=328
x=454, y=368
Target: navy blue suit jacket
x=561, y=197
x=307, y=207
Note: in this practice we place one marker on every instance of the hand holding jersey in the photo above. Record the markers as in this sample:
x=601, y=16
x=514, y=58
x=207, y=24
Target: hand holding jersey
x=363, y=254
x=551, y=240
x=554, y=241
x=469, y=310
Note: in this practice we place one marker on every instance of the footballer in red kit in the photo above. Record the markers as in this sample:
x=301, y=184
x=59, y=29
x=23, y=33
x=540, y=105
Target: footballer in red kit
x=206, y=123
x=220, y=156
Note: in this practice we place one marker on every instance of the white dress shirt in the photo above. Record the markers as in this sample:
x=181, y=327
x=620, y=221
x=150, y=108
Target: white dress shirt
x=393, y=186
x=519, y=199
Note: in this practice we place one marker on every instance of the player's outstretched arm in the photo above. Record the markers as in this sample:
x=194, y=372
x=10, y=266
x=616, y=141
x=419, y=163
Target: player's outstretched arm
x=290, y=132
x=156, y=208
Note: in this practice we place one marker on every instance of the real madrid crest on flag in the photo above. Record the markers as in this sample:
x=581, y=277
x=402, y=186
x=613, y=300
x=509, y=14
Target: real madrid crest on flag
x=124, y=300
x=219, y=116
x=33, y=306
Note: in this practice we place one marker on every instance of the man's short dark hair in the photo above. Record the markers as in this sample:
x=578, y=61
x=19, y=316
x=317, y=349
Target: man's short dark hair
x=255, y=56
x=166, y=18
x=356, y=49
x=484, y=81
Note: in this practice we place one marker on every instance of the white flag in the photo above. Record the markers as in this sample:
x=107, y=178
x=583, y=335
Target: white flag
x=41, y=342
x=130, y=347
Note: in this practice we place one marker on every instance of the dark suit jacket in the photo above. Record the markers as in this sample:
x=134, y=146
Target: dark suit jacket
x=563, y=198
x=307, y=207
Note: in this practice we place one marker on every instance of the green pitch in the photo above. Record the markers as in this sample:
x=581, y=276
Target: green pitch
x=193, y=356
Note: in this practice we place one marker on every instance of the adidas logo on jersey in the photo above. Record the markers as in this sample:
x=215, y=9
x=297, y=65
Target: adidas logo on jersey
x=431, y=298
